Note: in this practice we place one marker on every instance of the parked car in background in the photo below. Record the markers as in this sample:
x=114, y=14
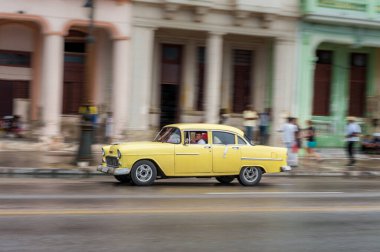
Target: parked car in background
x=193, y=150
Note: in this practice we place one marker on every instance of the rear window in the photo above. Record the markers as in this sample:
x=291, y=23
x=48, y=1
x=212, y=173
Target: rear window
x=219, y=137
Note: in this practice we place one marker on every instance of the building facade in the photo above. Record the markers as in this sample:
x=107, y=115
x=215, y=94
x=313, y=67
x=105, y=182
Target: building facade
x=338, y=61
x=192, y=59
x=43, y=57
x=156, y=62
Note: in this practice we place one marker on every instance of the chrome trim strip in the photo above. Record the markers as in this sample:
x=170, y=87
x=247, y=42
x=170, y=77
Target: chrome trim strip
x=187, y=154
x=225, y=151
x=263, y=159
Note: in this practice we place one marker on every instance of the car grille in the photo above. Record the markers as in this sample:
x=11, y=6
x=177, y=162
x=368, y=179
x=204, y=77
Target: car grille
x=112, y=162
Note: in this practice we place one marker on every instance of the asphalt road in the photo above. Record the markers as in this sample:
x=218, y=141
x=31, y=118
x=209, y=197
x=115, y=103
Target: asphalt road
x=99, y=214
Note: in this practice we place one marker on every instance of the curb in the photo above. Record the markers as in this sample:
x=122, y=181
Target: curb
x=52, y=173
x=363, y=174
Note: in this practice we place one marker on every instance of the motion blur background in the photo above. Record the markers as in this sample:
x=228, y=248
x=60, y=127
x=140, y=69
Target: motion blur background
x=157, y=62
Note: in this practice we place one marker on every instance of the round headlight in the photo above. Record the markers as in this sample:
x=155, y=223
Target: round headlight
x=118, y=154
x=103, y=152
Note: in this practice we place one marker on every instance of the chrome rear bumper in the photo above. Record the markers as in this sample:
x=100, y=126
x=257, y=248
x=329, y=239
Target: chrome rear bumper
x=286, y=168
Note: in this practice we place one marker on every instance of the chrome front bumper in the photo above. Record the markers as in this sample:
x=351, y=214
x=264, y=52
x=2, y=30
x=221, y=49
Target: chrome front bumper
x=286, y=168
x=112, y=170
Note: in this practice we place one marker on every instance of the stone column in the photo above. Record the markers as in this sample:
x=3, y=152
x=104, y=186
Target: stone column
x=52, y=80
x=259, y=71
x=142, y=56
x=227, y=82
x=306, y=68
x=36, y=82
x=156, y=75
x=190, y=73
x=284, y=86
x=214, y=53
x=121, y=85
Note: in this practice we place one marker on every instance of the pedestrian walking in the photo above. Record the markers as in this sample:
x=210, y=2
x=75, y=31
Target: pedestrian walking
x=353, y=132
x=298, y=134
x=289, y=131
x=311, y=141
x=264, y=119
x=250, y=118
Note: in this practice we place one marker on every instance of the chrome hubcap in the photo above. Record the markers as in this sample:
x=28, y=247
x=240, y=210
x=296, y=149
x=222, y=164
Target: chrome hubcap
x=144, y=173
x=250, y=174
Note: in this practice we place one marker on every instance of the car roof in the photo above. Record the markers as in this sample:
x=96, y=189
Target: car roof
x=206, y=126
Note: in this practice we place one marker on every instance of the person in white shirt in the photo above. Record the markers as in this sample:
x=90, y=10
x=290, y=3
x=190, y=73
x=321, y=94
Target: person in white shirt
x=289, y=130
x=199, y=139
x=264, y=119
x=353, y=131
x=250, y=118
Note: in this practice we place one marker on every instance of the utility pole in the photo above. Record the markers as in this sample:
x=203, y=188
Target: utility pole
x=88, y=110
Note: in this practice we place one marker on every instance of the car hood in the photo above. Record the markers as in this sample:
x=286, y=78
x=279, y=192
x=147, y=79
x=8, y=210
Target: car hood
x=141, y=147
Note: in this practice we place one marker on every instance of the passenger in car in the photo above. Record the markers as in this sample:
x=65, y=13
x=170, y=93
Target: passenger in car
x=199, y=138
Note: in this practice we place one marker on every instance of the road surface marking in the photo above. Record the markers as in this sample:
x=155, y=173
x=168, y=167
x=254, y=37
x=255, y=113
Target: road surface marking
x=268, y=193
x=50, y=212
x=200, y=195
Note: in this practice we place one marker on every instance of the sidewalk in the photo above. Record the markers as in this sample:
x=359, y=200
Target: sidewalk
x=18, y=157
x=31, y=158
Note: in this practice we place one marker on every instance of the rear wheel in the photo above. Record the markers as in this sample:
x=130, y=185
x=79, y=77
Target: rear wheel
x=225, y=179
x=123, y=178
x=143, y=173
x=250, y=176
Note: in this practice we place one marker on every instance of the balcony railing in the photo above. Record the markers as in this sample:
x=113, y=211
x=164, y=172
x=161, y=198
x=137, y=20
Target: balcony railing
x=367, y=10
x=264, y=6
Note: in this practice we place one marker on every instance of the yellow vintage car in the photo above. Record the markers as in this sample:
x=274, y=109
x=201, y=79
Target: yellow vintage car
x=193, y=150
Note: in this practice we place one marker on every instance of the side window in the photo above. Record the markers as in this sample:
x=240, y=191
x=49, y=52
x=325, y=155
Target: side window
x=196, y=137
x=241, y=141
x=222, y=138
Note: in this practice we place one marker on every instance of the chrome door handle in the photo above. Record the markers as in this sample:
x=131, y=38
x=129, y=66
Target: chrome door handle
x=236, y=148
x=207, y=147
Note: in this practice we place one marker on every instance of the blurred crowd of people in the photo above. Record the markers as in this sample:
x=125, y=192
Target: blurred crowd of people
x=294, y=137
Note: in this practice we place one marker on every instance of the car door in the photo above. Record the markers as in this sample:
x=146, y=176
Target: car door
x=192, y=158
x=226, y=153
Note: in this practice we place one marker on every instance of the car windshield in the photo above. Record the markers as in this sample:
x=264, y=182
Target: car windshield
x=169, y=135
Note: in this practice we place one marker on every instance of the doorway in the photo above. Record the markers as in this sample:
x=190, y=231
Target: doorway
x=171, y=77
x=10, y=90
x=358, y=85
x=242, y=79
x=74, y=72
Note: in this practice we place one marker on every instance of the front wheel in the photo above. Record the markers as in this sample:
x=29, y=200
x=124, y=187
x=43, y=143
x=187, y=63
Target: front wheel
x=225, y=179
x=143, y=173
x=250, y=176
